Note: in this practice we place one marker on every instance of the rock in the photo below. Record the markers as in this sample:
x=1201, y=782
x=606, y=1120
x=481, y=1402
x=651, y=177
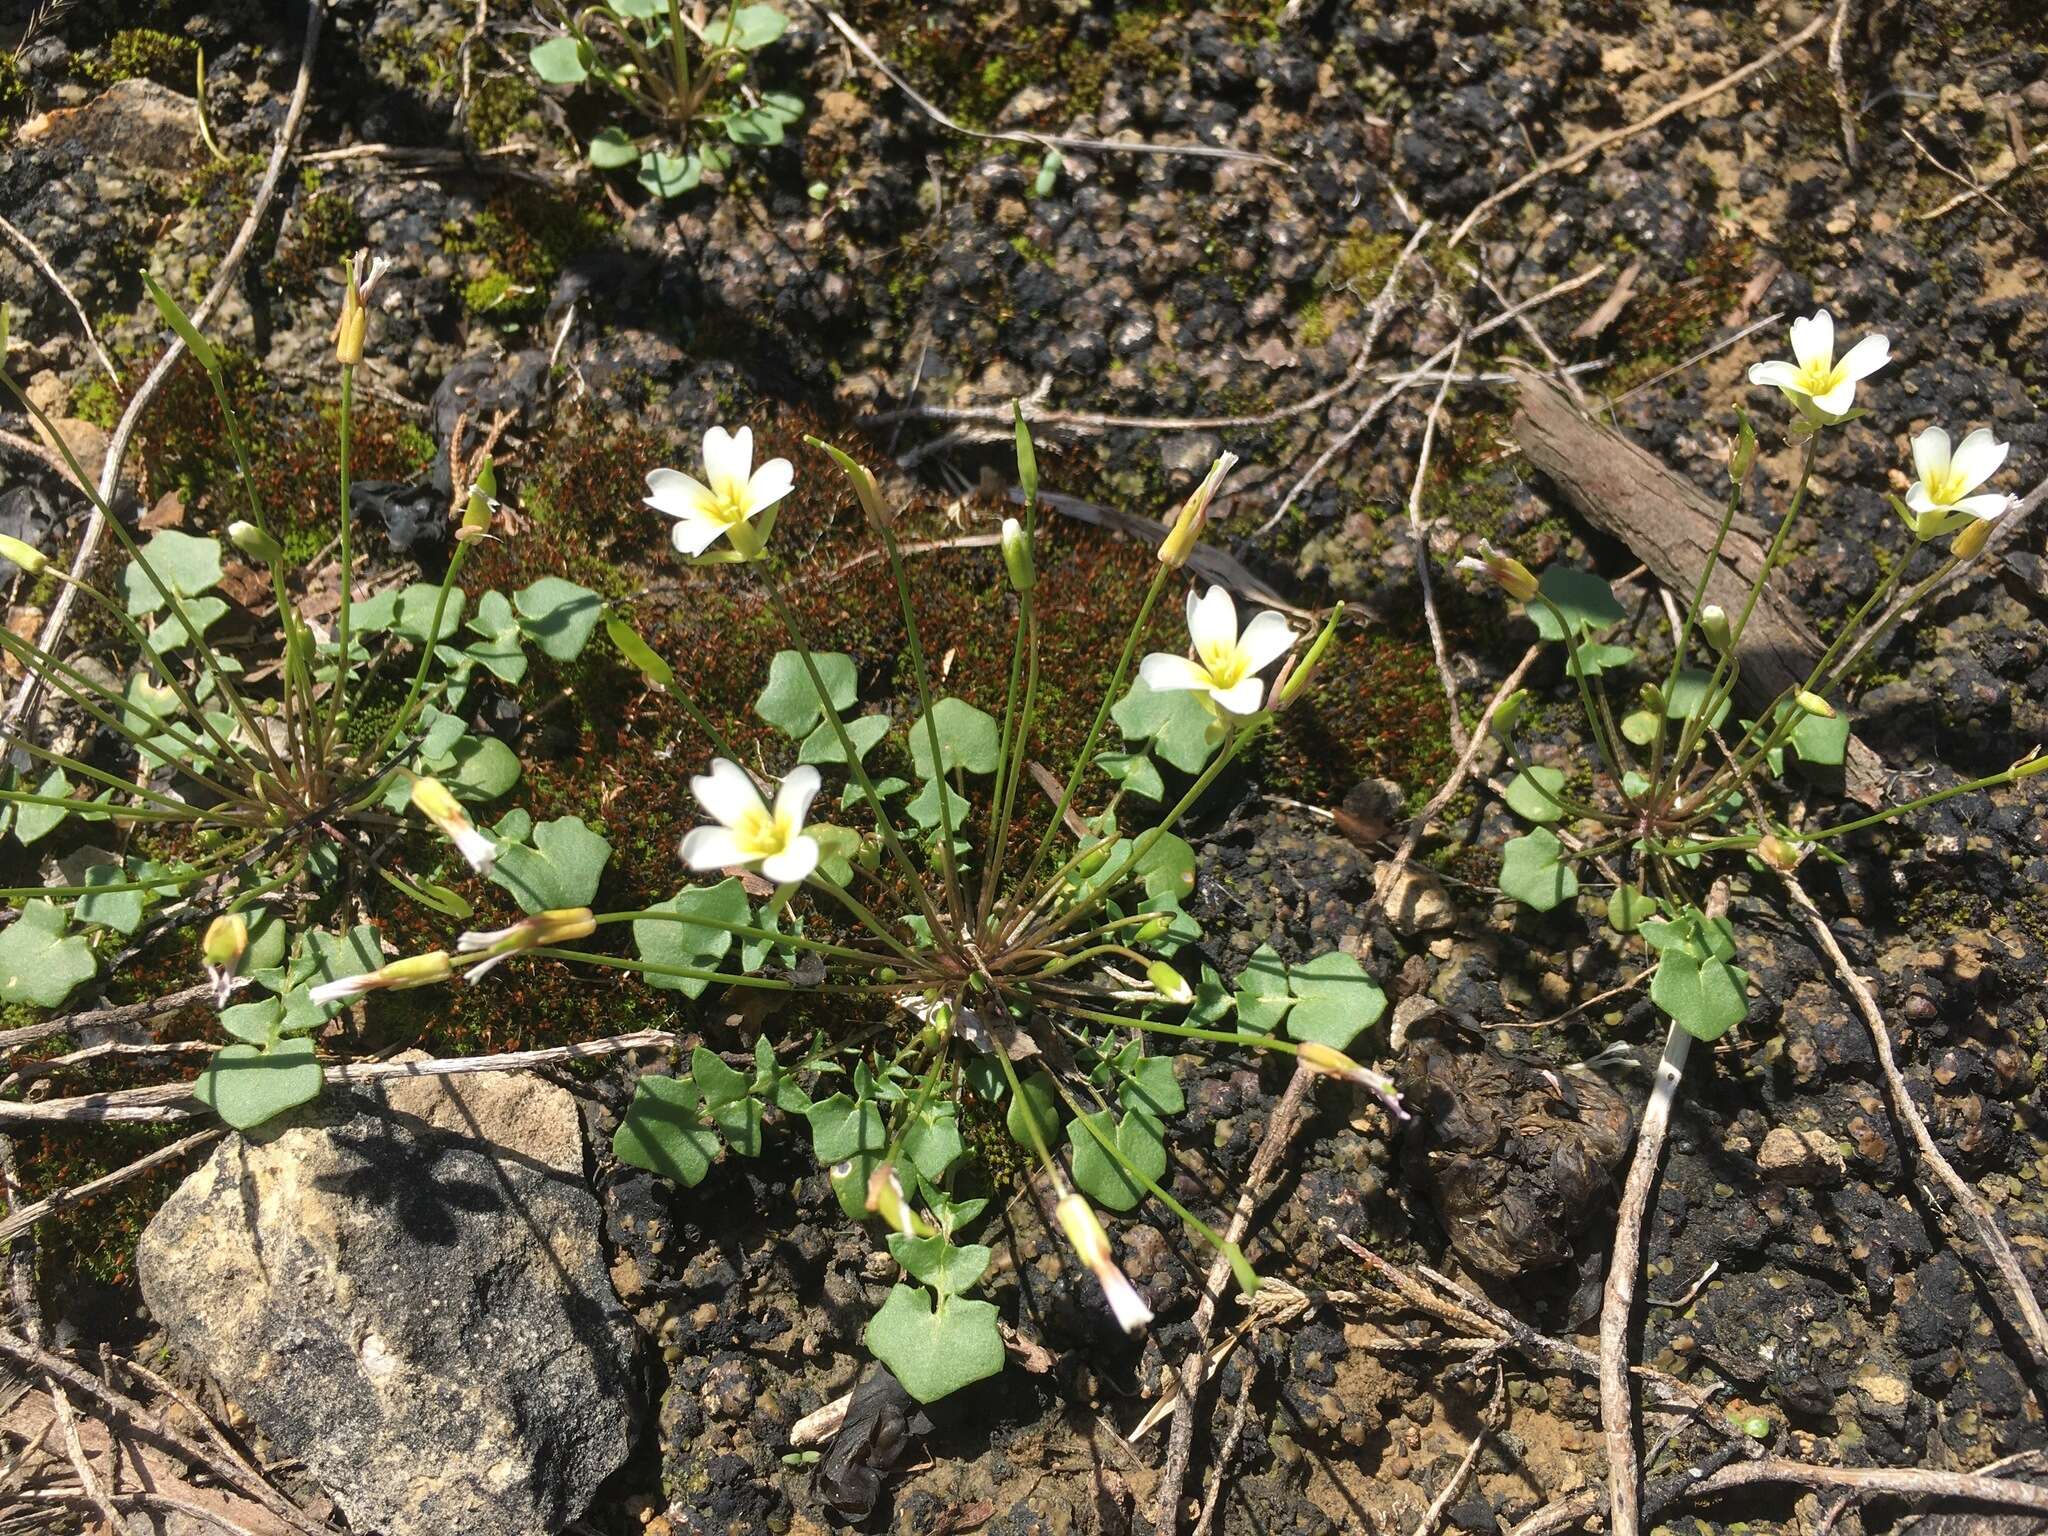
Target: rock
x=1800, y=1157
x=136, y=124
x=406, y=1290
x=1417, y=903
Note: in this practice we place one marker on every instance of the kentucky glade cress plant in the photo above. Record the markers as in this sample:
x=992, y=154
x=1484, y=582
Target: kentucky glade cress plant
x=1673, y=785
x=230, y=783
x=956, y=948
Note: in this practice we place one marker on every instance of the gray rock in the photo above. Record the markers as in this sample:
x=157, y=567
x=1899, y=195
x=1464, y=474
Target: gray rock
x=407, y=1291
x=135, y=124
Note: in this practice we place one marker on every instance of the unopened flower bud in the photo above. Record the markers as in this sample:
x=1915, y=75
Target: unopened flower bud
x=1814, y=704
x=1505, y=571
x=1027, y=456
x=1776, y=852
x=220, y=951
x=477, y=518
x=27, y=556
x=1017, y=556
x=1194, y=514
x=255, y=543
x=1171, y=986
x=1509, y=715
x=1091, y=1246
x=1714, y=625
x=432, y=799
x=1969, y=543
x=1153, y=930
x=1093, y=859
x=864, y=486
x=1742, y=455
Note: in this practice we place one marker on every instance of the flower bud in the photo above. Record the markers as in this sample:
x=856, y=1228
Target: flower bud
x=1171, y=986
x=1093, y=859
x=1969, y=543
x=1714, y=625
x=1776, y=852
x=413, y=971
x=864, y=486
x=885, y=1199
x=220, y=951
x=554, y=926
x=1017, y=556
x=1509, y=715
x=1300, y=673
x=353, y=324
x=1814, y=704
x=1091, y=1246
x=1194, y=514
x=1742, y=455
x=1155, y=929
x=432, y=799
x=1027, y=456
x=1505, y=571
x=255, y=543
x=477, y=518
x=27, y=556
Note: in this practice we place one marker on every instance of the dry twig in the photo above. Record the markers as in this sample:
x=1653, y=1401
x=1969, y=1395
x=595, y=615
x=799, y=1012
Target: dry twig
x=42, y=262
x=1421, y=546
x=1840, y=77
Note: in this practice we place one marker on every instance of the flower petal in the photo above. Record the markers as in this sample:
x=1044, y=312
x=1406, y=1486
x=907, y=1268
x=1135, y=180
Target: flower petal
x=728, y=460
x=1978, y=458
x=1212, y=622
x=1985, y=507
x=771, y=482
x=1838, y=401
x=1930, y=454
x=677, y=494
x=1245, y=697
x=1918, y=498
x=1125, y=1304
x=794, y=798
x=726, y=792
x=794, y=863
x=1813, y=339
x=712, y=848
x=1866, y=357
x=1777, y=373
x=694, y=533
x=1171, y=674
x=1266, y=639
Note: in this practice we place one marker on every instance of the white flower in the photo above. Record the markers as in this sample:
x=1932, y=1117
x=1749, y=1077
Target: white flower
x=549, y=927
x=736, y=493
x=434, y=801
x=1091, y=1246
x=1504, y=571
x=1824, y=390
x=1947, y=478
x=1226, y=664
x=749, y=830
x=413, y=971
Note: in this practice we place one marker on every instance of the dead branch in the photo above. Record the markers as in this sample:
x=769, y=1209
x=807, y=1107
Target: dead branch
x=1454, y=1486
x=22, y=1217
x=1420, y=543
x=1840, y=78
x=34, y=253
x=114, y=1017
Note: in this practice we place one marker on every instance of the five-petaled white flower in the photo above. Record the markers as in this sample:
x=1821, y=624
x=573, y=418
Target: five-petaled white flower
x=1823, y=389
x=749, y=830
x=1226, y=664
x=1948, y=477
x=737, y=493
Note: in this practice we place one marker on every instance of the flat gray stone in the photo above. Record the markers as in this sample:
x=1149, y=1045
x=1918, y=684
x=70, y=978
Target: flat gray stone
x=420, y=1312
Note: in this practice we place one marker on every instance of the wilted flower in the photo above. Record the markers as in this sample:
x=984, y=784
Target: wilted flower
x=413, y=971
x=353, y=324
x=1824, y=390
x=1194, y=513
x=220, y=952
x=749, y=830
x=550, y=927
x=1226, y=664
x=886, y=1200
x=1504, y=571
x=1948, y=477
x=434, y=801
x=1091, y=1246
x=1334, y=1063
x=735, y=495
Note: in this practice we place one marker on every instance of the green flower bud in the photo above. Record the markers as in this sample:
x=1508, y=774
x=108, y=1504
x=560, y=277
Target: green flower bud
x=864, y=485
x=1509, y=715
x=1742, y=456
x=1027, y=456
x=27, y=556
x=1169, y=983
x=1814, y=704
x=1017, y=556
x=1714, y=625
x=1970, y=543
x=255, y=543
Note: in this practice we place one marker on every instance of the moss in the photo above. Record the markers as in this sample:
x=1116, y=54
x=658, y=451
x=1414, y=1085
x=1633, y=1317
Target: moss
x=13, y=94
x=502, y=107
x=141, y=53
x=96, y=400
x=326, y=229
x=518, y=244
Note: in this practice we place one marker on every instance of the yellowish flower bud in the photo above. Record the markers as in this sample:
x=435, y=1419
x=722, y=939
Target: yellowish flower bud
x=864, y=486
x=221, y=949
x=1504, y=571
x=1776, y=852
x=27, y=556
x=1194, y=514
x=1814, y=704
x=886, y=1200
x=417, y=970
x=352, y=327
x=1714, y=625
x=1171, y=986
x=1017, y=556
x=1969, y=543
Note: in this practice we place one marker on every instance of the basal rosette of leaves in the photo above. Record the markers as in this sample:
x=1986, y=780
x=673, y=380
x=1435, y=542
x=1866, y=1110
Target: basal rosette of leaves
x=1677, y=788
x=679, y=74
x=190, y=781
x=955, y=953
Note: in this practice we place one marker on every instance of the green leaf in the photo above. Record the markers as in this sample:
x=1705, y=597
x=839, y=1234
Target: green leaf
x=783, y=105
x=499, y=649
x=755, y=125
x=935, y=1353
x=1629, y=908
x=1151, y=1088
x=172, y=632
x=753, y=26
x=480, y=768
x=1138, y=774
x=1639, y=726
x=1704, y=996
x=667, y=175
x=934, y=1144
x=246, y=1085
x=558, y=61
x=1174, y=722
x=1036, y=1102
x=923, y=807
x=561, y=869
x=1534, y=872
x=969, y=739
x=949, y=1268
x=663, y=1130
x=558, y=616
x=1100, y=1175
x=256, y=1023
x=822, y=745
x=1821, y=741
x=639, y=653
x=789, y=702
x=118, y=910
x=32, y=822
x=185, y=564
x=1167, y=869
x=1262, y=994
x=1689, y=694
x=662, y=942
x=1528, y=793
x=414, y=615
x=1337, y=1000
x=1587, y=603
x=729, y=1096
x=38, y=964
x=372, y=615
x=612, y=150
x=1596, y=657
x=848, y=1138
x=202, y=350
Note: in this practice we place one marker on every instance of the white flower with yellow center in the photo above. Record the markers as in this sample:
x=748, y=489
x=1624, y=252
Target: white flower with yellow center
x=1225, y=665
x=750, y=831
x=1823, y=389
x=1947, y=477
x=727, y=500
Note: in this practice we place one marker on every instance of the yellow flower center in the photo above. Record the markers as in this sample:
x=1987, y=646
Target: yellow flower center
x=1945, y=487
x=762, y=833
x=1225, y=664
x=1819, y=378
x=730, y=507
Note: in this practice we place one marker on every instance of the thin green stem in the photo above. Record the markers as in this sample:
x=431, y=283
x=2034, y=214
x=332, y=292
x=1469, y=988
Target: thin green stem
x=955, y=898
x=341, y=666
x=741, y=930
x=1016, y=745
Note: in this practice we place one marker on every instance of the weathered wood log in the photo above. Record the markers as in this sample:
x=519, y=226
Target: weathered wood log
x=1668, y=523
